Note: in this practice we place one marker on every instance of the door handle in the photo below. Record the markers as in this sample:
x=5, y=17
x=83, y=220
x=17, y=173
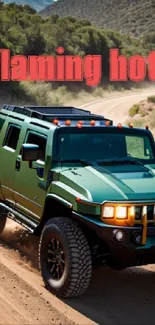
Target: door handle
x=17, y=164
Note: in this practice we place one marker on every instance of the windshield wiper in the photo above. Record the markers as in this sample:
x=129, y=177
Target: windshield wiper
x=121, y=159
x=83, y=161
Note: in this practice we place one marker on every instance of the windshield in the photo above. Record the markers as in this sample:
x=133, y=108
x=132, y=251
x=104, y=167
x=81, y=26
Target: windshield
x=104, y=145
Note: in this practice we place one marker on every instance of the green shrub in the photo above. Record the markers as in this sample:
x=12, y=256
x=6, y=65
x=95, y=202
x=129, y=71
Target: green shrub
x=151, y=99
x=134, y=110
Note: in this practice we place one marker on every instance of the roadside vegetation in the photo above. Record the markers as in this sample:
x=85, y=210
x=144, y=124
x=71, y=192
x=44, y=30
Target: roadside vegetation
x=24, y=31
x=143, y=114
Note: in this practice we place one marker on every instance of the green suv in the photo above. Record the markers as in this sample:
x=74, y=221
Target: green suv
x=83, y=185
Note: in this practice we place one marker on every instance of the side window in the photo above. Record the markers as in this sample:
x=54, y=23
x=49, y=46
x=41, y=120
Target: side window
x=139, y=147
x=40, y=140
x=1, y=123
x=12, y=136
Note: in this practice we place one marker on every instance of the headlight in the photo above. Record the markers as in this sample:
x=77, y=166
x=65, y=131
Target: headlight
x=121, y=212
x=118, y=212
x=108, y=212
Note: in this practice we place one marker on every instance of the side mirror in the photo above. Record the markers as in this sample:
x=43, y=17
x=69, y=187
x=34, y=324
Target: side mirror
x=30, y=152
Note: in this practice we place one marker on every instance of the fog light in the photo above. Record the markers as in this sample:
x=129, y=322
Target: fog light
x=137, y=238
x=119, y=235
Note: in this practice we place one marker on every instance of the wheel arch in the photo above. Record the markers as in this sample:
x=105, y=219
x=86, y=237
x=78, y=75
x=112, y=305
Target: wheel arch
x=55, y=206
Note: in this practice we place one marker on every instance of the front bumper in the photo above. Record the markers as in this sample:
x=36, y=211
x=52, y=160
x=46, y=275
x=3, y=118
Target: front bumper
x=126, y=252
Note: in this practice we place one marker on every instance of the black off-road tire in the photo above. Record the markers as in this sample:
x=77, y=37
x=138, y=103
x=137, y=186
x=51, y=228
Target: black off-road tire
x=3, y=219
x=78, y=260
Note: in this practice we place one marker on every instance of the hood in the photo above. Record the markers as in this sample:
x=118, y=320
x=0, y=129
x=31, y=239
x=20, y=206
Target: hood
x=97, y=183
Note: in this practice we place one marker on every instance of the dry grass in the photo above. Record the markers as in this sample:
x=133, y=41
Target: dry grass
x=43, y=93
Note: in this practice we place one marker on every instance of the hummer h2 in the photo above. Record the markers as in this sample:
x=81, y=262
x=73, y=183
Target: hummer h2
x=83, y=185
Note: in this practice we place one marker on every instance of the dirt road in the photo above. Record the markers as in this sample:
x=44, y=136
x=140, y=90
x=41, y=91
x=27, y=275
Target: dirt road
x=117, y=106
x=125, y=297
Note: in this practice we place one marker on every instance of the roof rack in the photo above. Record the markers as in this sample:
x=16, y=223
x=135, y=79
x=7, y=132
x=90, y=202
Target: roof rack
x=55, y=112
x=45, y=110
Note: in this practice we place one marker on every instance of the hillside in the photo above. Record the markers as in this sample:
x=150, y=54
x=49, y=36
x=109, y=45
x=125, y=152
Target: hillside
x=36, y=4
x=135, y=16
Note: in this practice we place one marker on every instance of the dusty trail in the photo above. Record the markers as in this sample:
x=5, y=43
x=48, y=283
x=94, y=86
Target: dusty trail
x=117, y=106
x=125, y=297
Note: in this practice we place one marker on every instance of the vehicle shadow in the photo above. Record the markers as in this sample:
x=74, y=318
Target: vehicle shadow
x=119, y=297
x=114, y=297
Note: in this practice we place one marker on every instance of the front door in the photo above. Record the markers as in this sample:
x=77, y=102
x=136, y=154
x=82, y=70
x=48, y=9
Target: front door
x=28, y=193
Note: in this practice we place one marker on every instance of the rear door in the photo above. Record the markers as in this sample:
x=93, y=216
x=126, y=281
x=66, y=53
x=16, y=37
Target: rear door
x=8, y=155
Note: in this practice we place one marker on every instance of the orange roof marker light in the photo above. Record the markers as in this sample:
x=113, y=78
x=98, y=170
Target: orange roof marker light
x=130, y=125
x=79, y=125
x=119, y=126
x=107, y=123
x=147, y=127
x=92, y=123
x=68, y=122
x=55, y=121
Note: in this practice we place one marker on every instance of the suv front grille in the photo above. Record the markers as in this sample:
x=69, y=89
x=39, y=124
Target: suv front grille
x=138, y=210
x=150, y=214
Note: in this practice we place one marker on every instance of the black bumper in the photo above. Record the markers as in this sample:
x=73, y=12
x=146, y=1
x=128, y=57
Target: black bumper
x=127, y=252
